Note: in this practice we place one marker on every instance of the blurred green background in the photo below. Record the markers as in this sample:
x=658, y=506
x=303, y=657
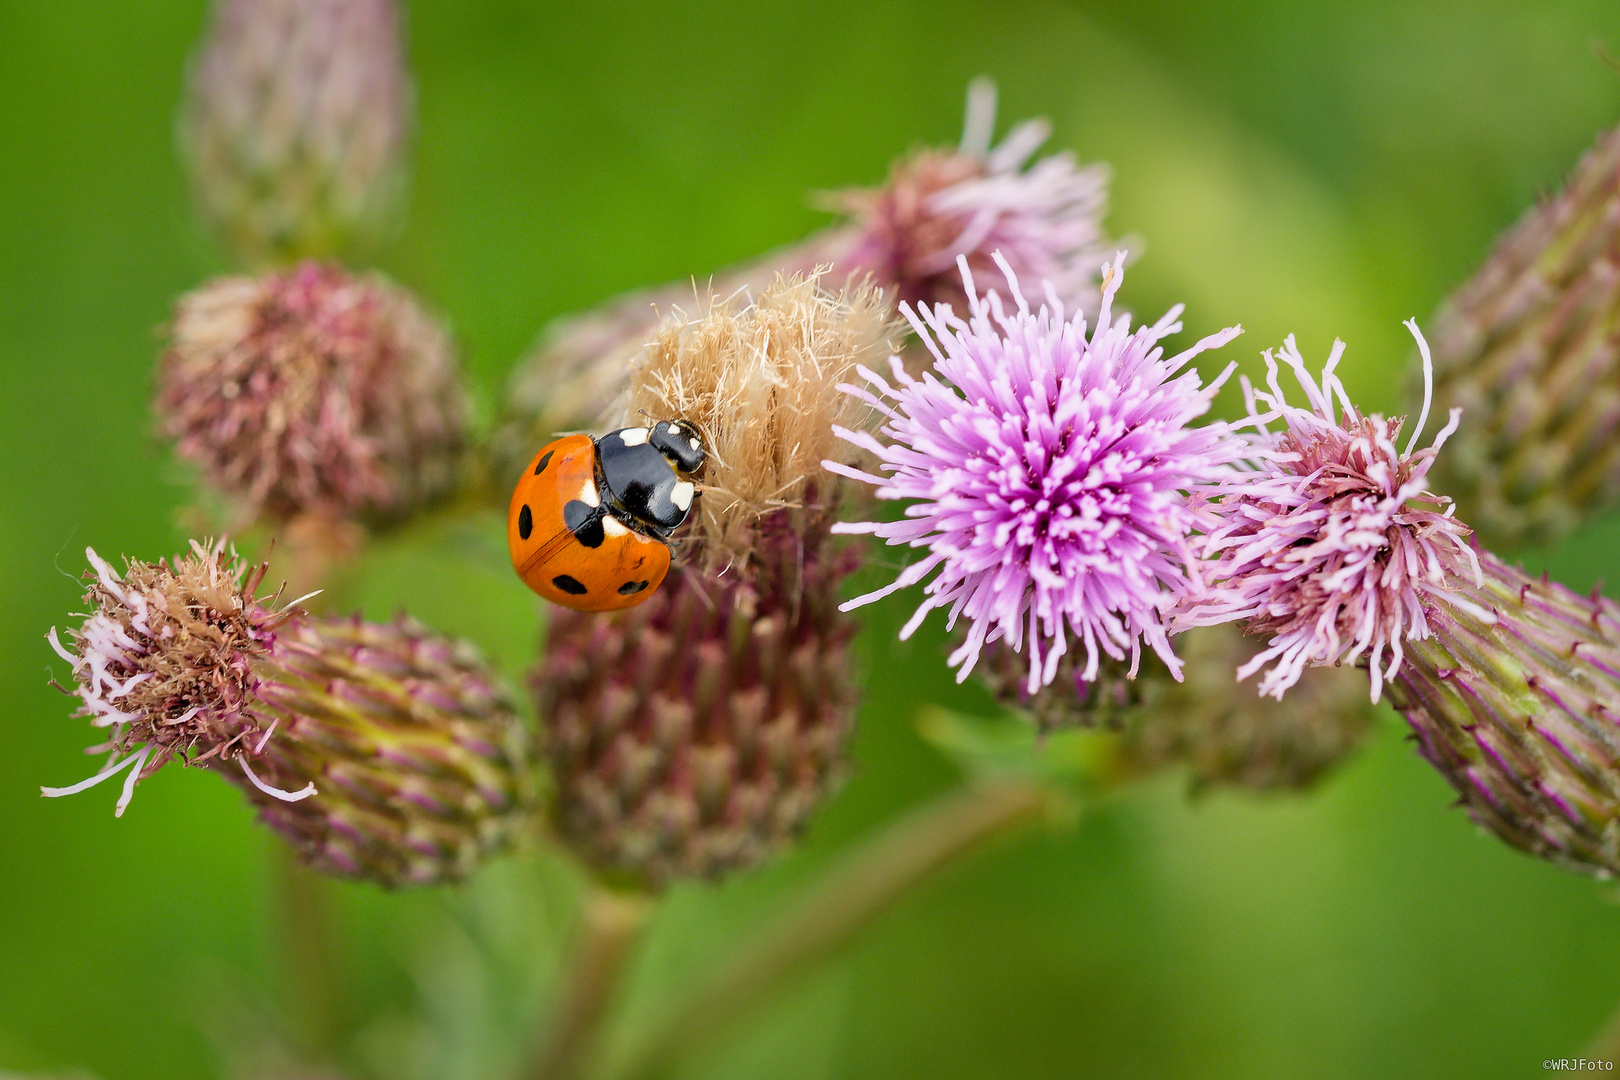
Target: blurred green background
x=1325, y=168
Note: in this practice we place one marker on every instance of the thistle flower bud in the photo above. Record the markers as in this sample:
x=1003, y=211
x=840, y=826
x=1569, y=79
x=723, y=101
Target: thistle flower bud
x=295, y=125
x=312, y=392
x=1529, y=349
x=938, y=205
x=1515, y=698
x=1208, y=722
x=695, y=733
x=378, y=751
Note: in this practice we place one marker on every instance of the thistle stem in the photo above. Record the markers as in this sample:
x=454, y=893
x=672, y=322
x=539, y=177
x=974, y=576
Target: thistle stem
x=860, y=888
x=312, y=991
x=613, y=922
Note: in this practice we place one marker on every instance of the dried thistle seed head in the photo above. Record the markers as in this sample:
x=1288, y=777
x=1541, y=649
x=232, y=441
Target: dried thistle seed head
x=761, y=382
x=1529, y=349
x=313, y=392
x=379, y=751
x=295, y=126
x=1515, y=698
x=941, y=205
x=578, y=370
x=420, y=765
x=696, y=733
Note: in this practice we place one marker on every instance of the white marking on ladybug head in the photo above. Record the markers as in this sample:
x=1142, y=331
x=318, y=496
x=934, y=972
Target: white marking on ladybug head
x=633, y=436
x=681, y=495
x=696, y=445
x=587, y=494
x=612, y=526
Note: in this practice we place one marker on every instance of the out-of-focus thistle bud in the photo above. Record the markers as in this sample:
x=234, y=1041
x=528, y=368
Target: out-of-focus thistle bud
x=1207, y=722
x=379, y=751
x=296, y=124
x=311, y=391
x=973, y=201
x=1530, y=350
x=938, y=204
x=695, y=733
x=1515, y=698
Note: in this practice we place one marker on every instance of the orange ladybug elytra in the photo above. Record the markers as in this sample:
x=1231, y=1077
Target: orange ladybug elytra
x=590, y=521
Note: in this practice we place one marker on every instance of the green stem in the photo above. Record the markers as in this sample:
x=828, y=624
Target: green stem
x=861, y=887
x=312, y=993
x=612, y=923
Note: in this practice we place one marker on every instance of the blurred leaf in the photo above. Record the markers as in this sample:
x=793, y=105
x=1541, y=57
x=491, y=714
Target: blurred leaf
x=1083, y=762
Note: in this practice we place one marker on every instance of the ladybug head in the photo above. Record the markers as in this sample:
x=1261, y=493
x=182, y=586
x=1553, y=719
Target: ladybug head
x=679, y=441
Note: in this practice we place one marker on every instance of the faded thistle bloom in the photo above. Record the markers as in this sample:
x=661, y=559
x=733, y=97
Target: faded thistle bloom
x=296, y=124
x=311, y=391
x=938, y=204
x=1331, y=551
x=695, y=733
x=1511, y=685
x=1207, y=722
x=1048, y=472
x=1530, y=350
x=381, y=751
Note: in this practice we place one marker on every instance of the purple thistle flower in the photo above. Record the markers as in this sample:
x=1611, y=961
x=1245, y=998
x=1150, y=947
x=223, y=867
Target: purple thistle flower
x=1050, y=472
x=1335, y=546
x=938, y=205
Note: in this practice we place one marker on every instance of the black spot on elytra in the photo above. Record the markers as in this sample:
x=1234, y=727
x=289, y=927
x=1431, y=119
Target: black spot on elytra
x=630, y=588
x=525, y=522
x=568, y=585
x=585, y=522
x=540, y=466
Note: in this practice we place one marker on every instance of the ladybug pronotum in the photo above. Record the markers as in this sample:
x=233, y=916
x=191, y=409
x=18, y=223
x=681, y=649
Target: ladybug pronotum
x=590, y=520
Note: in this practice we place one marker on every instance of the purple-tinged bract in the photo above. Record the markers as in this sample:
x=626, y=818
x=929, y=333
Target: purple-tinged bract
x=1050, y=474
x=1332, y=551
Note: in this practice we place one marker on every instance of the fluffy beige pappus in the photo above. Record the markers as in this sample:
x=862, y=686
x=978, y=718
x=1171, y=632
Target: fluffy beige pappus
x=760, y=380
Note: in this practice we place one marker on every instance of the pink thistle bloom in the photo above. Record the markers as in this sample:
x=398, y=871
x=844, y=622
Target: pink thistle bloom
x=1050, y=472
x=1336, y=545
x=1045, y=217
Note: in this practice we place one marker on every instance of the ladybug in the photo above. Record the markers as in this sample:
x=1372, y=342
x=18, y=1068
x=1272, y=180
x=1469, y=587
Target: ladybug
x=590, y=520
